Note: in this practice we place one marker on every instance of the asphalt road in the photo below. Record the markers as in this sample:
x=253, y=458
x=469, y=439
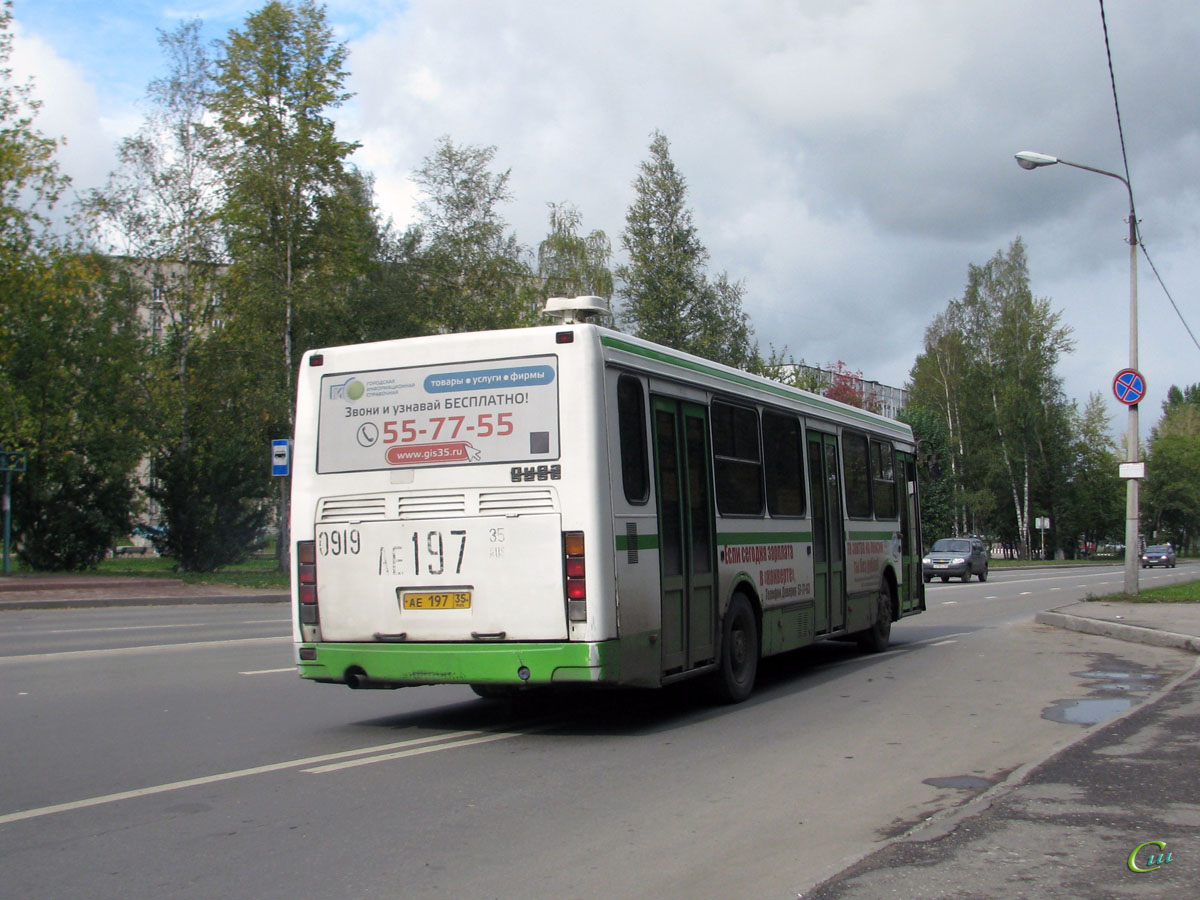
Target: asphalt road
x=172, y=751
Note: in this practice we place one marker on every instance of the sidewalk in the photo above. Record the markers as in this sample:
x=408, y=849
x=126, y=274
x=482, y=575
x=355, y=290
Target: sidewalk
x=66, y=590
x=1113, y=816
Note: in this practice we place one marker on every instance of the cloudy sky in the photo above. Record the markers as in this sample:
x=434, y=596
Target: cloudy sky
x=846, y=160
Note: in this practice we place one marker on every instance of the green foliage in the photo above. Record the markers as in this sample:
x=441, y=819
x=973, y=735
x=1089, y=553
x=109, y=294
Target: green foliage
x=668, y=297
x=208, y=493
x=71, y=510
x=571, y=265
x=288, y=190
x=936, y=486
x=67, y=358
x=475, y=273
x=1094, y=505
x=73, y=403
x=1171, y=492
x=988, y=370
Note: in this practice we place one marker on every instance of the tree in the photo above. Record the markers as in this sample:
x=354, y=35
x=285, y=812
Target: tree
x=287, y=197
x=159, y=212
x=667, y=296
x=571, y=265
x=67, y=346
x=988, y=369
x=934, y=477
x=474, y=269
x=276, y=83
x=848, y=387
x=1095, y=505
x=1171, y=492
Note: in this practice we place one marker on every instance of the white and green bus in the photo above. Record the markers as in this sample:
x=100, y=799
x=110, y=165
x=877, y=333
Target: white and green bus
x=569, y=505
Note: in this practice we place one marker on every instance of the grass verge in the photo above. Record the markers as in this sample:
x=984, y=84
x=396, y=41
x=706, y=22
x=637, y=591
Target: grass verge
x=256, y=572
x=1185, y=592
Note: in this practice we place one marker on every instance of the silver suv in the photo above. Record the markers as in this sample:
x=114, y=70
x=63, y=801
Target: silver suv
x=956, y=557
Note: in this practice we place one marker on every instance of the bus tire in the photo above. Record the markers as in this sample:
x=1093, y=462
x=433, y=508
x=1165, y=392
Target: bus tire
x=739, y=652
x=876, y=638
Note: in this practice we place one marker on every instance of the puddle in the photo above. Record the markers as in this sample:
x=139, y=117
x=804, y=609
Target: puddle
x=1110, y=683
x=1086, y=712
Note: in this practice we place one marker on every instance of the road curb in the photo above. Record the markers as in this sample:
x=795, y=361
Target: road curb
x=1119, y=630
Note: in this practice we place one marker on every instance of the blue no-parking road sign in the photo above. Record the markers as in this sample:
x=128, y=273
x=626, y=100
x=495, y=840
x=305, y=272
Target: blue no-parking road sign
x=1129, y=386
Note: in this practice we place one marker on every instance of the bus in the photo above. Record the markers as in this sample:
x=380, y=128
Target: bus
x=570, y=505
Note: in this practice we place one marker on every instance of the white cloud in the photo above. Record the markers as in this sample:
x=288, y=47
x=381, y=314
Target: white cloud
x=70, y=111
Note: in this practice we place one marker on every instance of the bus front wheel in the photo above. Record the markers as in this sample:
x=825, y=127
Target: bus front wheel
x=739, y=652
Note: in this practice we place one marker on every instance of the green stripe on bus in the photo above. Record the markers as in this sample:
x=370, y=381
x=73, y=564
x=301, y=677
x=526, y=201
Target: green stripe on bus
x=871, y=535
x=644, y=542
x=780, y=390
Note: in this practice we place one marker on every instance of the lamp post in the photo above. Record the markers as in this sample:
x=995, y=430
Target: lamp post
x=1027, y=159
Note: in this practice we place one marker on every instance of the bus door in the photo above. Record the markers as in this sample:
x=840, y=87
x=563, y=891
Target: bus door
x=910, y=535
x=685, y=535
x=828, y=532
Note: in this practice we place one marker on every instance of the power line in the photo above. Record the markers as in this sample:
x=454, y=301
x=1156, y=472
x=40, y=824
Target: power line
x=1135, y=230
x=1146, y=253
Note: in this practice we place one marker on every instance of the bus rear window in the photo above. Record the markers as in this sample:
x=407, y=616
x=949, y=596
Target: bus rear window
x=631, y=424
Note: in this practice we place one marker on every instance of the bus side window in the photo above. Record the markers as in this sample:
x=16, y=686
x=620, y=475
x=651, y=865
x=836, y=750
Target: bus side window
x=631, y=425
x=737, y=466
x=783, y=461
x=857, y=470
x=883, y=472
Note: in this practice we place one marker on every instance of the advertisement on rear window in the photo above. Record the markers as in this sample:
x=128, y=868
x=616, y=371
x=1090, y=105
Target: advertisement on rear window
x=496, y=411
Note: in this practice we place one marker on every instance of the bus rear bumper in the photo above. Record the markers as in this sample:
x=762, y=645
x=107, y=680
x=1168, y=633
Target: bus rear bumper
x=404, y=665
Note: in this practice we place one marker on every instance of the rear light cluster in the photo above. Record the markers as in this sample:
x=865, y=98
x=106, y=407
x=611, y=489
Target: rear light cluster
x=306, y=574
x=575, y=572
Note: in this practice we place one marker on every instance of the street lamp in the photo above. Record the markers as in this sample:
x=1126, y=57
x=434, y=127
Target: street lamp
x=1027, y=159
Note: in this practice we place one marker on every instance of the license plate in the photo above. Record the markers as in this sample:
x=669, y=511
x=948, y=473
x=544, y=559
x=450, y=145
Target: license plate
x=436, y=600
x=941, y=565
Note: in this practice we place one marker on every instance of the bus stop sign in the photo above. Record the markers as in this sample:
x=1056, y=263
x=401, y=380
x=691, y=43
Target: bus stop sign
x=1129, y=387
x=281, y=458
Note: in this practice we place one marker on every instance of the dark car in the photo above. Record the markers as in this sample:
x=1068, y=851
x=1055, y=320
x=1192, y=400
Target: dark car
x=1159, y=555
x=956, y=558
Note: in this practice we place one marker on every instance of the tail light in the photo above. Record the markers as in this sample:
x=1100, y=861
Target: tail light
x=306, y=575
x=575, y=576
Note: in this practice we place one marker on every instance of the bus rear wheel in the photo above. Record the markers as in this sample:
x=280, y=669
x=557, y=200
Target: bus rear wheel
x=876, y=638
x=739, y=652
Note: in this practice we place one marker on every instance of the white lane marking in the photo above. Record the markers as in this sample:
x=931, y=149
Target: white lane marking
x=269, y=671
x=949, y=603
x=932, y=641
x=240, y=773
x=134, y=651
x=417, y=751
x=943, y=643
x=110, y=628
